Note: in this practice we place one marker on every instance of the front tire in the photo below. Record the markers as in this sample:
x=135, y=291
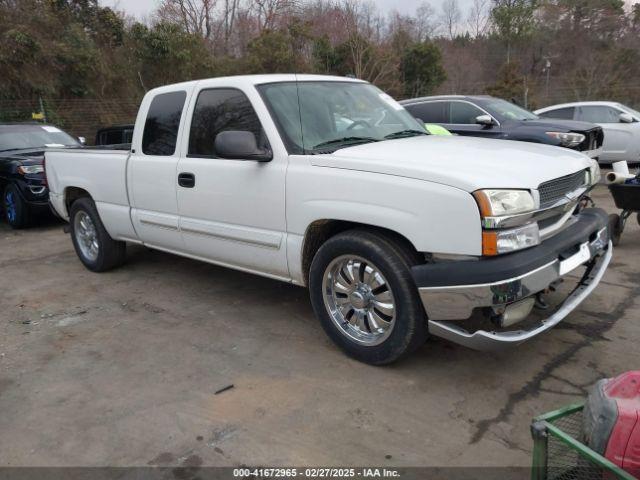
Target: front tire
x=362, y=291
x=16, y=211
x=94, y=246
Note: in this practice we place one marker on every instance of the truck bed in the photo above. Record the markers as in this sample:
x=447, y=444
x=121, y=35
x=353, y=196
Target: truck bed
x=103, y=172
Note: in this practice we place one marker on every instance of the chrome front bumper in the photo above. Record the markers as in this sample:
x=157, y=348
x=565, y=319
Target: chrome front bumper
x=444, y=304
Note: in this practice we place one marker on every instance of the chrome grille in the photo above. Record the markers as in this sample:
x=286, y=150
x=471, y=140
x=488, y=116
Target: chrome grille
x=555, y=190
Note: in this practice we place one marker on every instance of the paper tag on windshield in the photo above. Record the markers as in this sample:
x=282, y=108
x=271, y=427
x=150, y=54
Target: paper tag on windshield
x=51, y=129
x=392, y=103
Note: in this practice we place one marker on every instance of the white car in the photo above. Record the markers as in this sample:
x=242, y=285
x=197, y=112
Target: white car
x=329, y=183
x=620, y=123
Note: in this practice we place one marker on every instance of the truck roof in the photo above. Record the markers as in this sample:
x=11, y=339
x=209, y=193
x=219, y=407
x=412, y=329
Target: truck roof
x=262, y=79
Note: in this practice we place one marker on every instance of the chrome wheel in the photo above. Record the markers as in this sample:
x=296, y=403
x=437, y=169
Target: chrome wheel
x=359, y=300
x=86, y=236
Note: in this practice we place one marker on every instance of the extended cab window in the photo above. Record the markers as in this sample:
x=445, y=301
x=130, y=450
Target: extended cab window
x=163, y=121
x=219, y=110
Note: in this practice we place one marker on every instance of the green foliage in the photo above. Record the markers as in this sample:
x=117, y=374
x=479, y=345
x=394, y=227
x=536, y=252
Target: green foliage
x=167, y=54
x=510, y=84
x=422, y=69
x=271, y=52
x=513, y=19
x=80, y=49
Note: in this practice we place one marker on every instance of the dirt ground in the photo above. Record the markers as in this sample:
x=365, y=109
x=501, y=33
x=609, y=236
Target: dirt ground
x=121, y=369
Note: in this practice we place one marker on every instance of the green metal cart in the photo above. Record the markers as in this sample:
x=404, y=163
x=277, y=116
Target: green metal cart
x=559, y=454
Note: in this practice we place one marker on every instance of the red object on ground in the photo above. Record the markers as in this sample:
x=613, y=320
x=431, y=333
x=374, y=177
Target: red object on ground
x=623, y=447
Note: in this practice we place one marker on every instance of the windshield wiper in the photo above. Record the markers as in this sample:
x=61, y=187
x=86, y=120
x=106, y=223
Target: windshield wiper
x=347, y=141
x=405, y=134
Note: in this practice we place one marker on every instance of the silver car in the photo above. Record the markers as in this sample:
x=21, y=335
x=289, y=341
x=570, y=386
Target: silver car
x=620, y=123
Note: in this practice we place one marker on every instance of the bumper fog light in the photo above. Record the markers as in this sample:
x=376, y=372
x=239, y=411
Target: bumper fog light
x=516, y=312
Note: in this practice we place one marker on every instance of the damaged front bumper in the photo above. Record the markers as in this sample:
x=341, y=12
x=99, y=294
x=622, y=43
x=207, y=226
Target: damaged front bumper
x=454, y=290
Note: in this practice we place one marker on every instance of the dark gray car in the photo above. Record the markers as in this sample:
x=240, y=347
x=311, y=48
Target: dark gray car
x=490, y=117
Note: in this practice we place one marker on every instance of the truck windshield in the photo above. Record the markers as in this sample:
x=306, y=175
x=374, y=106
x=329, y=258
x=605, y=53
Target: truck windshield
x=321, y=117
x=506, y=110
x=18, y=137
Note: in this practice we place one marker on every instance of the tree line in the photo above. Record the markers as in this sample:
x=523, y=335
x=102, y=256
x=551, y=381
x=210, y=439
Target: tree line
x=533, y=52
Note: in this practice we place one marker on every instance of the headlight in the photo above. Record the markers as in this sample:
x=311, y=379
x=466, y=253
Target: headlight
x=496, y=242
x=594, y=173
x=30, y=169
x=568, y=139
x=497, y=203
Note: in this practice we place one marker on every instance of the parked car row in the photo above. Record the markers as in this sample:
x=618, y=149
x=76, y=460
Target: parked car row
x=329, y=183
x=489, y=117
x=607, y=131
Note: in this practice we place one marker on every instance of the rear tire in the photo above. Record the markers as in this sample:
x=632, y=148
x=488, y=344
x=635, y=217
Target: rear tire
x=94, y=246
x=16, y=211
x=364, y=295
x=615, y=228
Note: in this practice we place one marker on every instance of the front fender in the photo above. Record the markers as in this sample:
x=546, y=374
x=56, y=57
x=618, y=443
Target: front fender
x=435, y=218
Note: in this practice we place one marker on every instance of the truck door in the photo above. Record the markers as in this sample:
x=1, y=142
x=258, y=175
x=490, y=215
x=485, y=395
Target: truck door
x=232, y=212
x=152, y=171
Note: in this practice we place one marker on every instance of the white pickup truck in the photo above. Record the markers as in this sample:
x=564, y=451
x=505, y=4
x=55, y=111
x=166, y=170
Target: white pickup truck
x=328, y=183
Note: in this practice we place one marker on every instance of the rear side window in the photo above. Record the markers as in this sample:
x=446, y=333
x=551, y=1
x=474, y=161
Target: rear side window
x=163, y=121
x=430, y=112
x=560, y=113
x=463, y=113
x=219, y=110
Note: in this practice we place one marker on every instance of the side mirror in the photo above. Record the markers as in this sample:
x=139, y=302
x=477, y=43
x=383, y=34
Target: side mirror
x=239, y=145
x=484, y=120
x=82, y=140
x=626, y=118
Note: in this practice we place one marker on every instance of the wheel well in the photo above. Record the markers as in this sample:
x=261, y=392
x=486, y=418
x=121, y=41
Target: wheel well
x=71, y=194
x=322, y=230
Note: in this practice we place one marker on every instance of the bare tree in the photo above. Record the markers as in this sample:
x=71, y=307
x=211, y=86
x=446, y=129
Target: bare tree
x=195, y=16
x=478, y=18
x=426, y=21
x=268, y=11
x=451, y=17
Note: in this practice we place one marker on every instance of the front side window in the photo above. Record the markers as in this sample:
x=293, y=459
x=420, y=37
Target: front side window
x=599, y=114
x=163, y=121
x=219, y=110
x=430, y=112
x=321, y=117
x=561, y=113
x=506, y=110
x=463, y=113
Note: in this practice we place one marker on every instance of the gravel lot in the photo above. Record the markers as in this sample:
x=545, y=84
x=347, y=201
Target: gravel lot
x=121, y=369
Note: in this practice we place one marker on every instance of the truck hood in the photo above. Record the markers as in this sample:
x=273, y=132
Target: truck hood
x=466, y=163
